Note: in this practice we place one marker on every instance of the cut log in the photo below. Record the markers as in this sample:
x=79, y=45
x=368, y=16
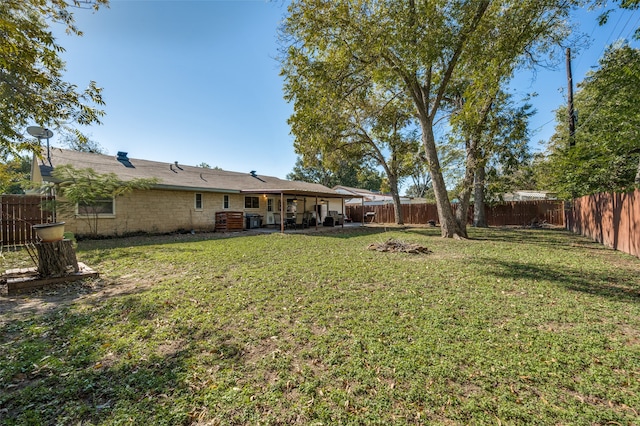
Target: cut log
x=56, y=259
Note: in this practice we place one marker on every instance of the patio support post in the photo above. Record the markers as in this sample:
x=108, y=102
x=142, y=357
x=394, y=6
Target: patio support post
x=316, y=207
x=362, y=209
x=282, y=212
x=342, y=199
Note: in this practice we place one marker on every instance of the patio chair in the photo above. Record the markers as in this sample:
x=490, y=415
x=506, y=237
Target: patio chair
x=299, y=221
x=306, y=219
x=290, y=221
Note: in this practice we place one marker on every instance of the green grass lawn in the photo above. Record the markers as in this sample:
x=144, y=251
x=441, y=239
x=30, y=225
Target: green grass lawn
x=512, y=327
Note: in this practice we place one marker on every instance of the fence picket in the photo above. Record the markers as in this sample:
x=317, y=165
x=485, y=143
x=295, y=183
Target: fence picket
x=17, y=214
x=503, y=214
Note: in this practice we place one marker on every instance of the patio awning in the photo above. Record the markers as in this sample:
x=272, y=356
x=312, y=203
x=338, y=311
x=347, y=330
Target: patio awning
x=300, y=192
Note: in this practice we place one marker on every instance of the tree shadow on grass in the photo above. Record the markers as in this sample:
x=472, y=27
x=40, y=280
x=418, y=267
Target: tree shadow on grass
x=543, y=237
x=619, y=285
x=67, y=367
x=182, y=238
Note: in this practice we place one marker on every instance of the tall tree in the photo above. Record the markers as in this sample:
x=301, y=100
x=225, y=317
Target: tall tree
x=606, y=155
x=32, y=90
x=341, y=113
x=503, y=153
x=416, y=50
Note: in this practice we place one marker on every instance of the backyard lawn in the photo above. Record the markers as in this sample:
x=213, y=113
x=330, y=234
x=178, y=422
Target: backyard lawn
x=515, y=326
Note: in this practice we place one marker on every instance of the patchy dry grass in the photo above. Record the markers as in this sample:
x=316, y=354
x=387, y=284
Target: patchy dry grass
x=512, y=327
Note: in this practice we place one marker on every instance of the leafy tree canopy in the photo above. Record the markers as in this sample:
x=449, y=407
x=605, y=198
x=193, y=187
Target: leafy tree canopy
x=84, y=144
x=13, y=174
x=606, y=155
x=346, y=173
x=407, y=55
x=32, y=90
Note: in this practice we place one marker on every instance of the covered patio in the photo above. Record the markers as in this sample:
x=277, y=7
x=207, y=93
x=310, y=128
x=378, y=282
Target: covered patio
x=297, y=208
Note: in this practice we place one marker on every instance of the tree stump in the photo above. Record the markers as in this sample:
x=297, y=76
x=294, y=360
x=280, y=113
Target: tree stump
x=56, y=259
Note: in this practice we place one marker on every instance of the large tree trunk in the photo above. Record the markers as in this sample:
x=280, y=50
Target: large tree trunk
x=479, y=217
x=448, y=225
x=462, y=212
x=637, y=180
x=397, y=205
x=393, y=187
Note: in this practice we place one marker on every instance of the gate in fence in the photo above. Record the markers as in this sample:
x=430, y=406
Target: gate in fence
x=18, y=213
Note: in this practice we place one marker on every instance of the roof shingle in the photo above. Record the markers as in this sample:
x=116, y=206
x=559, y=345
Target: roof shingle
x=181, y=177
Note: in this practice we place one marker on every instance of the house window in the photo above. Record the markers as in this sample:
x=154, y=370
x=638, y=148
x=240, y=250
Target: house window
x=104, y=207
x=270, y=204
x=198, y=201
x=251, y=202
x=225, y=202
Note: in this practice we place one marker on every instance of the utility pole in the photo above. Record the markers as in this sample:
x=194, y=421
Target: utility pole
x=571, y=114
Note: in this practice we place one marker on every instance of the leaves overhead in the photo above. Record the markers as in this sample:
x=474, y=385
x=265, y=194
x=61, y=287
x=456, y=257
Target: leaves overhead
x=354, y=69
x=32, y=89
x=606, y=155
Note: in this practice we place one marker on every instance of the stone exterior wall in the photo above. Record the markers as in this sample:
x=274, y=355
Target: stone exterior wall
x=160, y=211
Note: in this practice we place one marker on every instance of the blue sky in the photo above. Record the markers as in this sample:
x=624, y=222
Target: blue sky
x=198, y=81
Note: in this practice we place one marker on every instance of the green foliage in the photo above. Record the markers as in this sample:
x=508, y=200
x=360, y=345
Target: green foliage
x=355, y=174
x=368, y=70
x=624, y=4
x=32, y=89
x=78, y=142
x=85, y=187
x=606, y=155
x=529, y=327
x=506, y=152
x=13, y=175
x=343, y=114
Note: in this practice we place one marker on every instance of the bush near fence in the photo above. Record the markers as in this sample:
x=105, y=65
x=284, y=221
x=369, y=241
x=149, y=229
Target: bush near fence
x=523, y=213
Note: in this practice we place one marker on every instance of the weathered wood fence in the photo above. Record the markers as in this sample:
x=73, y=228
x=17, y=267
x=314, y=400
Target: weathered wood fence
x=17, y=214
x=609, y=218
x=503, y=214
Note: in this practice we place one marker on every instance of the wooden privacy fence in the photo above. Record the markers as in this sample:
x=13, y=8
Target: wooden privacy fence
x=609, y=218
x=503, y=214
x=17, y=214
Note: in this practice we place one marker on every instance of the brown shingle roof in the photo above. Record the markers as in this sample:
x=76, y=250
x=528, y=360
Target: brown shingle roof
x=181, y=177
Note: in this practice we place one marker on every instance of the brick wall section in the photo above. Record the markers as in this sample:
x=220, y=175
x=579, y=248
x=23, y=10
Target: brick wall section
x=159, y=211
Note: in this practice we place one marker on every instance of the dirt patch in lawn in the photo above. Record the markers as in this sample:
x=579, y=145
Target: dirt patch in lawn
x=51, y=298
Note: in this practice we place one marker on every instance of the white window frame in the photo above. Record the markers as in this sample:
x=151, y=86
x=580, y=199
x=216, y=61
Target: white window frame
x=104, y=215
x=225, y=201
x=195, y=201
x=252, y=198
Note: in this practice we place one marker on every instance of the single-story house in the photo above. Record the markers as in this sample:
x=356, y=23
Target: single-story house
x=371, y=198
x=529, y=195
x=187, y=197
